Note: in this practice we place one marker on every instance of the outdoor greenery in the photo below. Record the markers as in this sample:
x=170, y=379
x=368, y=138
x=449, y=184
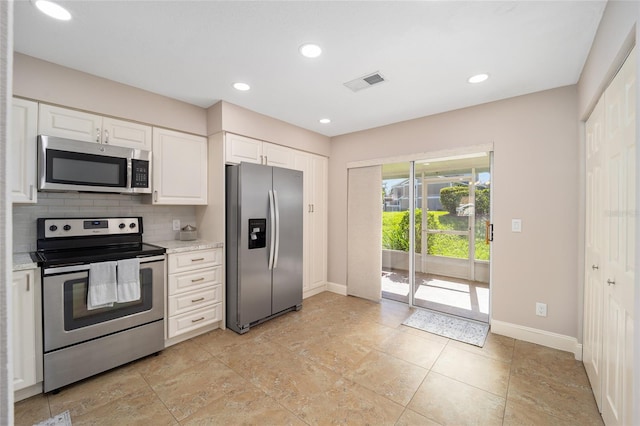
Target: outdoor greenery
x=395, y=233
x=451, y=198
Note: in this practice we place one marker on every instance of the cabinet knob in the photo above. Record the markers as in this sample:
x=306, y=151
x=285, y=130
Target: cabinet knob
x=106, y=136
x=611, y=282
x=594, y=267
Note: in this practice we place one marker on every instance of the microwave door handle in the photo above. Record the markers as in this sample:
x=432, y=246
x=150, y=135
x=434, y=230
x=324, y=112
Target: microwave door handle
x=129, y=174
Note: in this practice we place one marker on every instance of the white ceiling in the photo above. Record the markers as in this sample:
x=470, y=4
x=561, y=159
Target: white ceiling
x=195, y=50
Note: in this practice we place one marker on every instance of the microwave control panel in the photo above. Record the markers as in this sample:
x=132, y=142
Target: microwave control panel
x=139, y=174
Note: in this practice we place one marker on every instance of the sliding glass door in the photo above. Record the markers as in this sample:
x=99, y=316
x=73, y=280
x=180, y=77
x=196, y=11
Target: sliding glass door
x=438, y=210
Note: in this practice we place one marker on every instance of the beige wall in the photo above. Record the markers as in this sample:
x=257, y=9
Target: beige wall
x=613, y=41
x=50, y=83
x=535, y=179
x=241, y=121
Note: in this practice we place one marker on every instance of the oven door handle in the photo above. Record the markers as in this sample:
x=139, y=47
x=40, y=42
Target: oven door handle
x=85, y=267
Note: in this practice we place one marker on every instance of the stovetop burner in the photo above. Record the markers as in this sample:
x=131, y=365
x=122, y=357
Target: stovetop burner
x=98, y=254
x=65, y=241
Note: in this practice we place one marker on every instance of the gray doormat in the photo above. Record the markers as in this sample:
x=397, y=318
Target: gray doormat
x=464, y=330
x=62, y=419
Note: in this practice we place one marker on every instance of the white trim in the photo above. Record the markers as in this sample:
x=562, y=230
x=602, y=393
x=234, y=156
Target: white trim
x=314, y=291
x=337, y=288
x=28, y=392
x=540, y=337
x=486, y=147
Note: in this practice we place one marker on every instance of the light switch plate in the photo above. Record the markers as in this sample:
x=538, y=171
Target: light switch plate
x=516, y=225
x=176, y=224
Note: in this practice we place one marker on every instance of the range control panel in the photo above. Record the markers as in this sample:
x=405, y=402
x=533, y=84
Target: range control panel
x=70, y=227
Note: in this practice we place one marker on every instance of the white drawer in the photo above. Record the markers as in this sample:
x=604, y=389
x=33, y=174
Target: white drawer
x=193, y=320
x=188, y=261
x=194, y=280
x=186, y=302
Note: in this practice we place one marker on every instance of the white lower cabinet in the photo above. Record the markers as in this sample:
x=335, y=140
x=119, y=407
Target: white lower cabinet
x=27, y=351
x=195, y=293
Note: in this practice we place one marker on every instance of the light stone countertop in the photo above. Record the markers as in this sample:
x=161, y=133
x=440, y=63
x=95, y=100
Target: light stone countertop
x=23, y=261
x=177, y=246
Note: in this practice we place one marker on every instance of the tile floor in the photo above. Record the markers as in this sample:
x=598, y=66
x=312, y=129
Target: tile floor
x=456, y=296
x=340, y=360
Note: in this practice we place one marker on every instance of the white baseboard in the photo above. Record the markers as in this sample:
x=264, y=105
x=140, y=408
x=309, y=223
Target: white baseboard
x=25, y=393
x=337, y=288
x=540, y=337
x=314, y=291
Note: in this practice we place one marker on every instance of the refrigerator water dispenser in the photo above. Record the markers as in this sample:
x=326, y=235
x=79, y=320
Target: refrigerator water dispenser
x=257, y=233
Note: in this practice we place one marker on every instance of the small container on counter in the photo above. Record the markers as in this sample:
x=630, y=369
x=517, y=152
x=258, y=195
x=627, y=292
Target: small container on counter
x=188, y=233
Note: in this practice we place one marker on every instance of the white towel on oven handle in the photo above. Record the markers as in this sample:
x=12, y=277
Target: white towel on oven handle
x=128, y=280
x=102, y=292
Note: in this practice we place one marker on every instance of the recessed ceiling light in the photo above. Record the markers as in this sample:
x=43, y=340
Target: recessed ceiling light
x=325, y=120
x=310, y=50
x=479, y=78
x=243, y=87
x=53, y=10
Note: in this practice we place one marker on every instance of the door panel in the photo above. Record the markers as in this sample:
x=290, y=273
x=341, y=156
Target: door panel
x=254, y=278
x=619, y=272
x=594, y=252
x=287, y=274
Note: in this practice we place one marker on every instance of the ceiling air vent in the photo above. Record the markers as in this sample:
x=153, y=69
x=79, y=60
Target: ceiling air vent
x=365, y=81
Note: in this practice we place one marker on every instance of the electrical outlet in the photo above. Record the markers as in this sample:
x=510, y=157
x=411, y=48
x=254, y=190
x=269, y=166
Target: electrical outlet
x=541, y=309
x=176, y=224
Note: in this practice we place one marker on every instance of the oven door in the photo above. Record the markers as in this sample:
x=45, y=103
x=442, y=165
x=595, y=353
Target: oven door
x=66, y=319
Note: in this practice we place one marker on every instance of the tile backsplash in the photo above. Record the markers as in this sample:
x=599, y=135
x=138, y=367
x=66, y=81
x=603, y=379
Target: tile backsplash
x=157, y=220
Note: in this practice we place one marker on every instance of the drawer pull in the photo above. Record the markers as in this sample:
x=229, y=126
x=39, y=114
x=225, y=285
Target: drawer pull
x=196, y=320
x=198, y=259
x=197, y=279
x=197, y=300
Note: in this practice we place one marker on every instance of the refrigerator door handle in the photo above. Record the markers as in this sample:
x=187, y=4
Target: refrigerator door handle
x=277, y=251
x=273, y=229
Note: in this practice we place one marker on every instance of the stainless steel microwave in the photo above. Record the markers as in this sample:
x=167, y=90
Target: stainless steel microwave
x=70, y=165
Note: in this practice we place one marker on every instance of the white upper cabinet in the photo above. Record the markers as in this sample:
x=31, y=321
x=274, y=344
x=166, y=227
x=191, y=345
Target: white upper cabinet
x=23, y=151
x=240, y=149
x=68, y=123
x=276, y=155
x=179, y=168
x=82, y=126
x=126, y=133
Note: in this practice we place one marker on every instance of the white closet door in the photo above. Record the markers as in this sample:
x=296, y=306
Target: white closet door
x=364, y=233
x=594, y=250
x=620, y=112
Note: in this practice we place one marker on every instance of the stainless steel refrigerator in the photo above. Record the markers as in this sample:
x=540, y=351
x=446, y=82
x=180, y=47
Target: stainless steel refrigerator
x=264, y=243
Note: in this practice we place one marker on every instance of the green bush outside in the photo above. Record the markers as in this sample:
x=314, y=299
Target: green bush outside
x=451, y=198
x=395, y=234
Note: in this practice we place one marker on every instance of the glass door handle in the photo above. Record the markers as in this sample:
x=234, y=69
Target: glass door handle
x=488, y=232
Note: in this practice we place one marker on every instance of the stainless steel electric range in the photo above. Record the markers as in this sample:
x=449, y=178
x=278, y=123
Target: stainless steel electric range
x=79, y=342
